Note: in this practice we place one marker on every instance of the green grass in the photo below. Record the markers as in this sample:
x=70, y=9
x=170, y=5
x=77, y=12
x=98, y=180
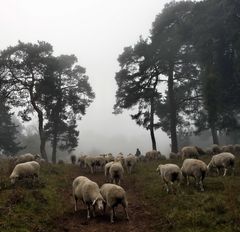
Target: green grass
x=36, y=206
x=216, y=209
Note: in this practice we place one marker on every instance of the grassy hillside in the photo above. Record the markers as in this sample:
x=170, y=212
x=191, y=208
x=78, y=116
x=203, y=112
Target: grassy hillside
x=47, y=205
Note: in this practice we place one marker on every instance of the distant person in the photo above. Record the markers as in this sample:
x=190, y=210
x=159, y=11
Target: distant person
x=138, y=152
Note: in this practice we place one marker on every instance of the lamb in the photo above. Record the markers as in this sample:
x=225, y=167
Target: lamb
x=130, y=161
x=170, y=173
x=106, y=170
x=27, y=169
x=26, y=157
x=88, y=191
x=195, y=168
x=116, y=172
x=114, y=195
x=223, y=160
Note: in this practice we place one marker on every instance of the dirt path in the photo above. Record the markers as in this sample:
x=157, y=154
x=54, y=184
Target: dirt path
x=140, y=218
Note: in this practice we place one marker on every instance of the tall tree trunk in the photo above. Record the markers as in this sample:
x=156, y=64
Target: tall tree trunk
x=42, y=137
x=152, y=110
x=54, y=149
x=172, y=111
x=40, y=125
x=214, y=134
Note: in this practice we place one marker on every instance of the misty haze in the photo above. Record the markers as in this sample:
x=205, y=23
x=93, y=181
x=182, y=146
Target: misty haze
x=132, y=103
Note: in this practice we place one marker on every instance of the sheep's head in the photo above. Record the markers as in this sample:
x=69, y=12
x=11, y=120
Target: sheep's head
x=99, y=202
x=158, y=169
x=13, y=178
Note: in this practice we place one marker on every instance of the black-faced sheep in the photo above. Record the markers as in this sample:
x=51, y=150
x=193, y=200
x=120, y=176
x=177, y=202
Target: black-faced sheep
x=195, y=168
x=223, y=160
x=27, y=169
x=170, y=173
x=89, y=192
x=114, y=195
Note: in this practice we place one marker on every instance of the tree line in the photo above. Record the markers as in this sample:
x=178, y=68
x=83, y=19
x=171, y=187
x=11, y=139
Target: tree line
x=55, y=88
x=186, y=73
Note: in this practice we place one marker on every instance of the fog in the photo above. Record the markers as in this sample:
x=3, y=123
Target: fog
x=96, y=31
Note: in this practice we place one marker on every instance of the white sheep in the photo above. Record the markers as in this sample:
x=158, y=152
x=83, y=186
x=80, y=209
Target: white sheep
x=195, y=168
x=153, y=155
x=92, y=162
x=189, y=152
x=114, y=195
x=223, y=160
x=170, y=173
x=26, y=157
x=116, y=172
x=88, y=191
x=130, y=161
x=27, y=169
x=106, y=170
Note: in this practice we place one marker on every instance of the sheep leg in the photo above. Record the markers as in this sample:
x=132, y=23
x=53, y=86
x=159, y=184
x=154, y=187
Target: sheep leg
x=111, y=217
x=88, y=211
x=75, y=203
x=114, y=213
x=166, y=185
x=94, y=214
x=225, y=172
x=126, y=213
x=187, y=180
x=201, y=185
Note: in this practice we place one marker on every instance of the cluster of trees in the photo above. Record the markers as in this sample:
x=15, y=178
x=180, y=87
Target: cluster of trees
x=187, y=73
x=55, y=88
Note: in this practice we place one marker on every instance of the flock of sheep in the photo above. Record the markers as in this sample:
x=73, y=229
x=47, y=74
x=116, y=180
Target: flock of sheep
x=111, y=193
x=222, y=158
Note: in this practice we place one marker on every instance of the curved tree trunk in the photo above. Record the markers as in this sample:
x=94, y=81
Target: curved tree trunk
x=173, y=112
x=40, y=125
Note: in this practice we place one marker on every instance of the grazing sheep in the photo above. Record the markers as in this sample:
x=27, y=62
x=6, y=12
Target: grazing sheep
x=106, y=170
x=153, y=155
x=27, y=169
x=195, y=168
x=114, y=195
x=88, y=191
x=130, y=161
x=95, y=161
x=237, y=149
x=216, y=149
x=116, y=172
x=81, y=161
x=228, y=148
x=189, y=152
x=109, y=157
x=170, y=173
x=26, y=157
x=223, y=160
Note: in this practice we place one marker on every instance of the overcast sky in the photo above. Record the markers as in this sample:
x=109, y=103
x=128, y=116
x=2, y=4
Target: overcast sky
x=96, y=31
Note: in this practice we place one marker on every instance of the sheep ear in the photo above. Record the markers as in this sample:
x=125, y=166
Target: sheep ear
x=94, y=202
